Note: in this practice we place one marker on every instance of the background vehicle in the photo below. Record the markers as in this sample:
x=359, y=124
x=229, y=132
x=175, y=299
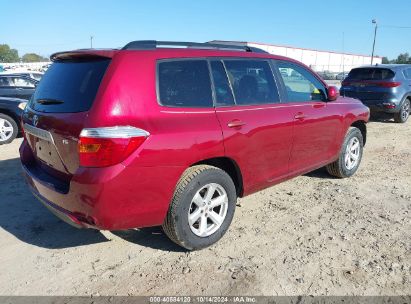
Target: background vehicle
x=192, y=128
x=385, y=89
x=10, y=113
x=31, y=74
x=17, y=86
x=341, y=76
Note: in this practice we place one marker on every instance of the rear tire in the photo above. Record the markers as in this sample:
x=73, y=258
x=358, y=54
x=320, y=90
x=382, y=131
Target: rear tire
x=8, y=129
x=404, y=114
x=202, y=207
x=350, y=155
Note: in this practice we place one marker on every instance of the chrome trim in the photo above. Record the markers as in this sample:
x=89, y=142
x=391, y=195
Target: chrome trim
x=40, y=133
x=114, y=132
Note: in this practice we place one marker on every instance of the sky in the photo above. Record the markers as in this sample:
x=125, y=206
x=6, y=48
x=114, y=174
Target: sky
x=48, y=26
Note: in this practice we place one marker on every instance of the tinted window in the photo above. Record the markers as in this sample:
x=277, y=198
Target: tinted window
x=407, y=73
x=252, y=81
x=222, y=88
x=184, y=83
x=73, y=85
x=301, y=85
x=370, y=74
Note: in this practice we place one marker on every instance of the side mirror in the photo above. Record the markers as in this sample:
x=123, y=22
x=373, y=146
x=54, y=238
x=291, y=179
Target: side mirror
x=332, y=93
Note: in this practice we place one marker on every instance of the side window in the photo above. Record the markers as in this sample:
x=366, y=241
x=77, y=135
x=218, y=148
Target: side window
x=252, y=81
x=4, y=82
x=222, y=88
x=407, y=73
x=301, y=85
x=184, y=83
x=21, y=82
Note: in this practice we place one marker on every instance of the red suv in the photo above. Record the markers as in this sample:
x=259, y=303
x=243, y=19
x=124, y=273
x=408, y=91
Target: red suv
x=172, y=133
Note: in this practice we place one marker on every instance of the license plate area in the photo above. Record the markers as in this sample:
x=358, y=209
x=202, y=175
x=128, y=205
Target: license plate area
x=42, y=144
x=46, y=152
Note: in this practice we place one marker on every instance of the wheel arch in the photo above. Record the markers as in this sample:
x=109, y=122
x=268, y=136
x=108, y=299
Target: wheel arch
x=361, y=125
x=230, y=167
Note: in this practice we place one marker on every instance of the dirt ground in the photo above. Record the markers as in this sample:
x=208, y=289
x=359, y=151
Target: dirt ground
x=313, y=235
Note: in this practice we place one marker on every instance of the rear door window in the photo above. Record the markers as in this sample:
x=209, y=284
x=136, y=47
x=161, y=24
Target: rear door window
x=371, y=74
x=184, y=83
x=69, y=86
x=252, y=81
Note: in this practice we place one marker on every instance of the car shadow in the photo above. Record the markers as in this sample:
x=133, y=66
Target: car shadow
x=320, y=173
x=29, y=221
x=152, y=237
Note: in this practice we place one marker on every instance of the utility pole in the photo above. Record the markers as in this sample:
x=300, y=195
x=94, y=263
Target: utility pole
x=343, y=51
x=374, y=21
x=91, y=42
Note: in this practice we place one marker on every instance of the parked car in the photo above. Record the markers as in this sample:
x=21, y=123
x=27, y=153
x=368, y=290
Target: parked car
x=385, y=89
x=172, y=133
x=31, y=74
x=327, y=75
x=341, y=76
x=18, y=86
x=10, y=113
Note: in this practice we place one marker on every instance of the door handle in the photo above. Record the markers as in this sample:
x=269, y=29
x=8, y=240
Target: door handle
x=236, y=123
x=299, y=116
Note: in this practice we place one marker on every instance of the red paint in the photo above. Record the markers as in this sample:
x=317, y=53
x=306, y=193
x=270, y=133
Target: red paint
x=269, y=143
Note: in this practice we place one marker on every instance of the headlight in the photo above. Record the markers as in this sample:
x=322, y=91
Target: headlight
x=22, y=105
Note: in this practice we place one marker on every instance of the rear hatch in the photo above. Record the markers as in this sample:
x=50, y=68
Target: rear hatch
x=58, y=109
x=369, y=83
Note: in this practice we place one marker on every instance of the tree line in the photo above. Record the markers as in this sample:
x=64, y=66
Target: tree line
x=8, y=54
x=402, y=58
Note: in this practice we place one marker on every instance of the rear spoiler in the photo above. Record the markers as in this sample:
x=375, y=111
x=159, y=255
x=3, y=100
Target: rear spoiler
x=84, y=54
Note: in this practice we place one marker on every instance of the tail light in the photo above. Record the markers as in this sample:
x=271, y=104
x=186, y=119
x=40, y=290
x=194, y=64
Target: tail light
x=346, y=83
x=102, y=147
x=389, y=84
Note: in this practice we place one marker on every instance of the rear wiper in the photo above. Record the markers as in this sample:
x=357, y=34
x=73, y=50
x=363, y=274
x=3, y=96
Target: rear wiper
x=48, y=101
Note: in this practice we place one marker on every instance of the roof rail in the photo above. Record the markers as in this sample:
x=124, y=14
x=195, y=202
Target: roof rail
x=153, y=44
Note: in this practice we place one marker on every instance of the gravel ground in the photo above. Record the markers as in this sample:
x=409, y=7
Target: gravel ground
x=312, y=235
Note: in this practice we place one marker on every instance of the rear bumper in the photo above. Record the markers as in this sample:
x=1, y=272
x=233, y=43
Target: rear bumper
x=111, y=198
x=382, y=106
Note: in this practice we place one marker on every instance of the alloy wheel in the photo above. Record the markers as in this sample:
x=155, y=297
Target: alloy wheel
x=208, y=210
x=6, y=130
x=352, y=153
x=405, y=111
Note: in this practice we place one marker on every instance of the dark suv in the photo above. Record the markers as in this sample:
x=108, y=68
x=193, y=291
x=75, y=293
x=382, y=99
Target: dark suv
x=385, y=89
x=166, y=133
x=17, y=86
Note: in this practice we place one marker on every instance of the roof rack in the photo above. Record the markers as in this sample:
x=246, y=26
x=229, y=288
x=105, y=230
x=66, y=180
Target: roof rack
x=153, y=44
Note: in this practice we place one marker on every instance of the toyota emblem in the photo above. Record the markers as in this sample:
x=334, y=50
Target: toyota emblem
x=35, y=120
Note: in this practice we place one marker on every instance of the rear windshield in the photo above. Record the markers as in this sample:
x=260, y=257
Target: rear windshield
x=371, y=74
x=69, y=87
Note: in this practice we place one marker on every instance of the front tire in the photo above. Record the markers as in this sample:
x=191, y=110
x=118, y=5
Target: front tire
x=8, y=129
x=202, y=207
x=404, y=114
x=350, y=155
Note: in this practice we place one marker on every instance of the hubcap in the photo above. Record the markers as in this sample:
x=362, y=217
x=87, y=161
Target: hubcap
x=352, y=153
x=6, y=129
x=405, y=111
x=208, y=210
